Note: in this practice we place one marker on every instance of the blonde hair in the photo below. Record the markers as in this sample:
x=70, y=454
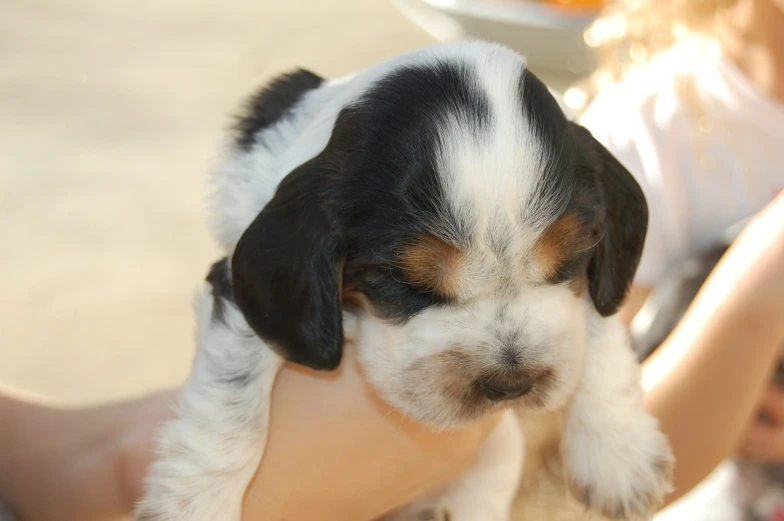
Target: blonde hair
x=629, y=33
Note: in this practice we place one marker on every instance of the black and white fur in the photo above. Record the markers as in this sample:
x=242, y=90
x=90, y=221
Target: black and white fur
x=324, y=183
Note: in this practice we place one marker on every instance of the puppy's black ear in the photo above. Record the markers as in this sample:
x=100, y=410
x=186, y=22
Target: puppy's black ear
x=286, y=272
x=623, y=224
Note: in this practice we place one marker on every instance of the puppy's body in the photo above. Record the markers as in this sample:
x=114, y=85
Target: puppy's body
x=441, y=212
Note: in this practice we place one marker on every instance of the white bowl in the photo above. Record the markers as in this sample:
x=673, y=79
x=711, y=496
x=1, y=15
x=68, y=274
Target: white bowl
x=550, y=38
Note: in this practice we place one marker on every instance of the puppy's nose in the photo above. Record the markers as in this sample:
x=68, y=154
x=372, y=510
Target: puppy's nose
x=497, y=390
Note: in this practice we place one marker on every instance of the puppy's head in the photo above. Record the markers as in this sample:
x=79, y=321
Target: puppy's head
x=466, y=221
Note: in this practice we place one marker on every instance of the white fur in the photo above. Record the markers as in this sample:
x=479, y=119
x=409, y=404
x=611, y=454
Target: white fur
x=208, y=455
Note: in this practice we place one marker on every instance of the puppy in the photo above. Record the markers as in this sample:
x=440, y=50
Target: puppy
x=441, y=213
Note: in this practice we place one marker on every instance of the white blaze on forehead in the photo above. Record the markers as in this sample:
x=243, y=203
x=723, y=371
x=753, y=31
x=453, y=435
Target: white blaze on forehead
x=494, y=173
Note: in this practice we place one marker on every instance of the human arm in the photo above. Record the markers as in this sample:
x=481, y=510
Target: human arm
x=87, y=464
x=704, y=383
x=347, y=456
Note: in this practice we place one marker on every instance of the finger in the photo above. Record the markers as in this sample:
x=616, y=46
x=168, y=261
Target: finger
x=763, y=443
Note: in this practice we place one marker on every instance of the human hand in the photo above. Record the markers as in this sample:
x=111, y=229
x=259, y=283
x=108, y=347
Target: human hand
x=337, y=452
x=706, y=379
x=345, y=455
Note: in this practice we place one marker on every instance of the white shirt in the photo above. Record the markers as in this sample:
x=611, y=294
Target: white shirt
x=706, y=146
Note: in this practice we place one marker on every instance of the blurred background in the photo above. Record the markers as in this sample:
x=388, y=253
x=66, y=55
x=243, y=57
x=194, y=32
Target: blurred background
x=112, y=112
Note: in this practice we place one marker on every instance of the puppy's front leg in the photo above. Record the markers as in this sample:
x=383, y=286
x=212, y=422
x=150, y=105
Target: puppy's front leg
x=484, y=492
x=616, y=459
x=208, y=455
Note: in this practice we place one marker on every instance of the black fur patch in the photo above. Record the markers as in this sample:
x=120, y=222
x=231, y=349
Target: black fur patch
x=272, y=103
x=621, y=228
x=219, y=278
x=285, y=271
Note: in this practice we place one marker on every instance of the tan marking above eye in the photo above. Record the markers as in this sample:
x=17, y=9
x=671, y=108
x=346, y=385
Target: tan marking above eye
x=558, y=243
x=432, y=264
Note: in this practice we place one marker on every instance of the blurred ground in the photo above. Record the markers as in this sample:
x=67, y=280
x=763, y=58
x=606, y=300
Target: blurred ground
x=110, y=114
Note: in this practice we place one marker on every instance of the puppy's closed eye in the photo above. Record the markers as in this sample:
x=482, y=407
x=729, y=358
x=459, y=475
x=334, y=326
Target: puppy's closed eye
x=556, y=247
x=433, y=265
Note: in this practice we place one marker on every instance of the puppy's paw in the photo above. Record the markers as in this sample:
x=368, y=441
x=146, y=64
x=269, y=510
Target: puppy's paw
x=620, y=474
